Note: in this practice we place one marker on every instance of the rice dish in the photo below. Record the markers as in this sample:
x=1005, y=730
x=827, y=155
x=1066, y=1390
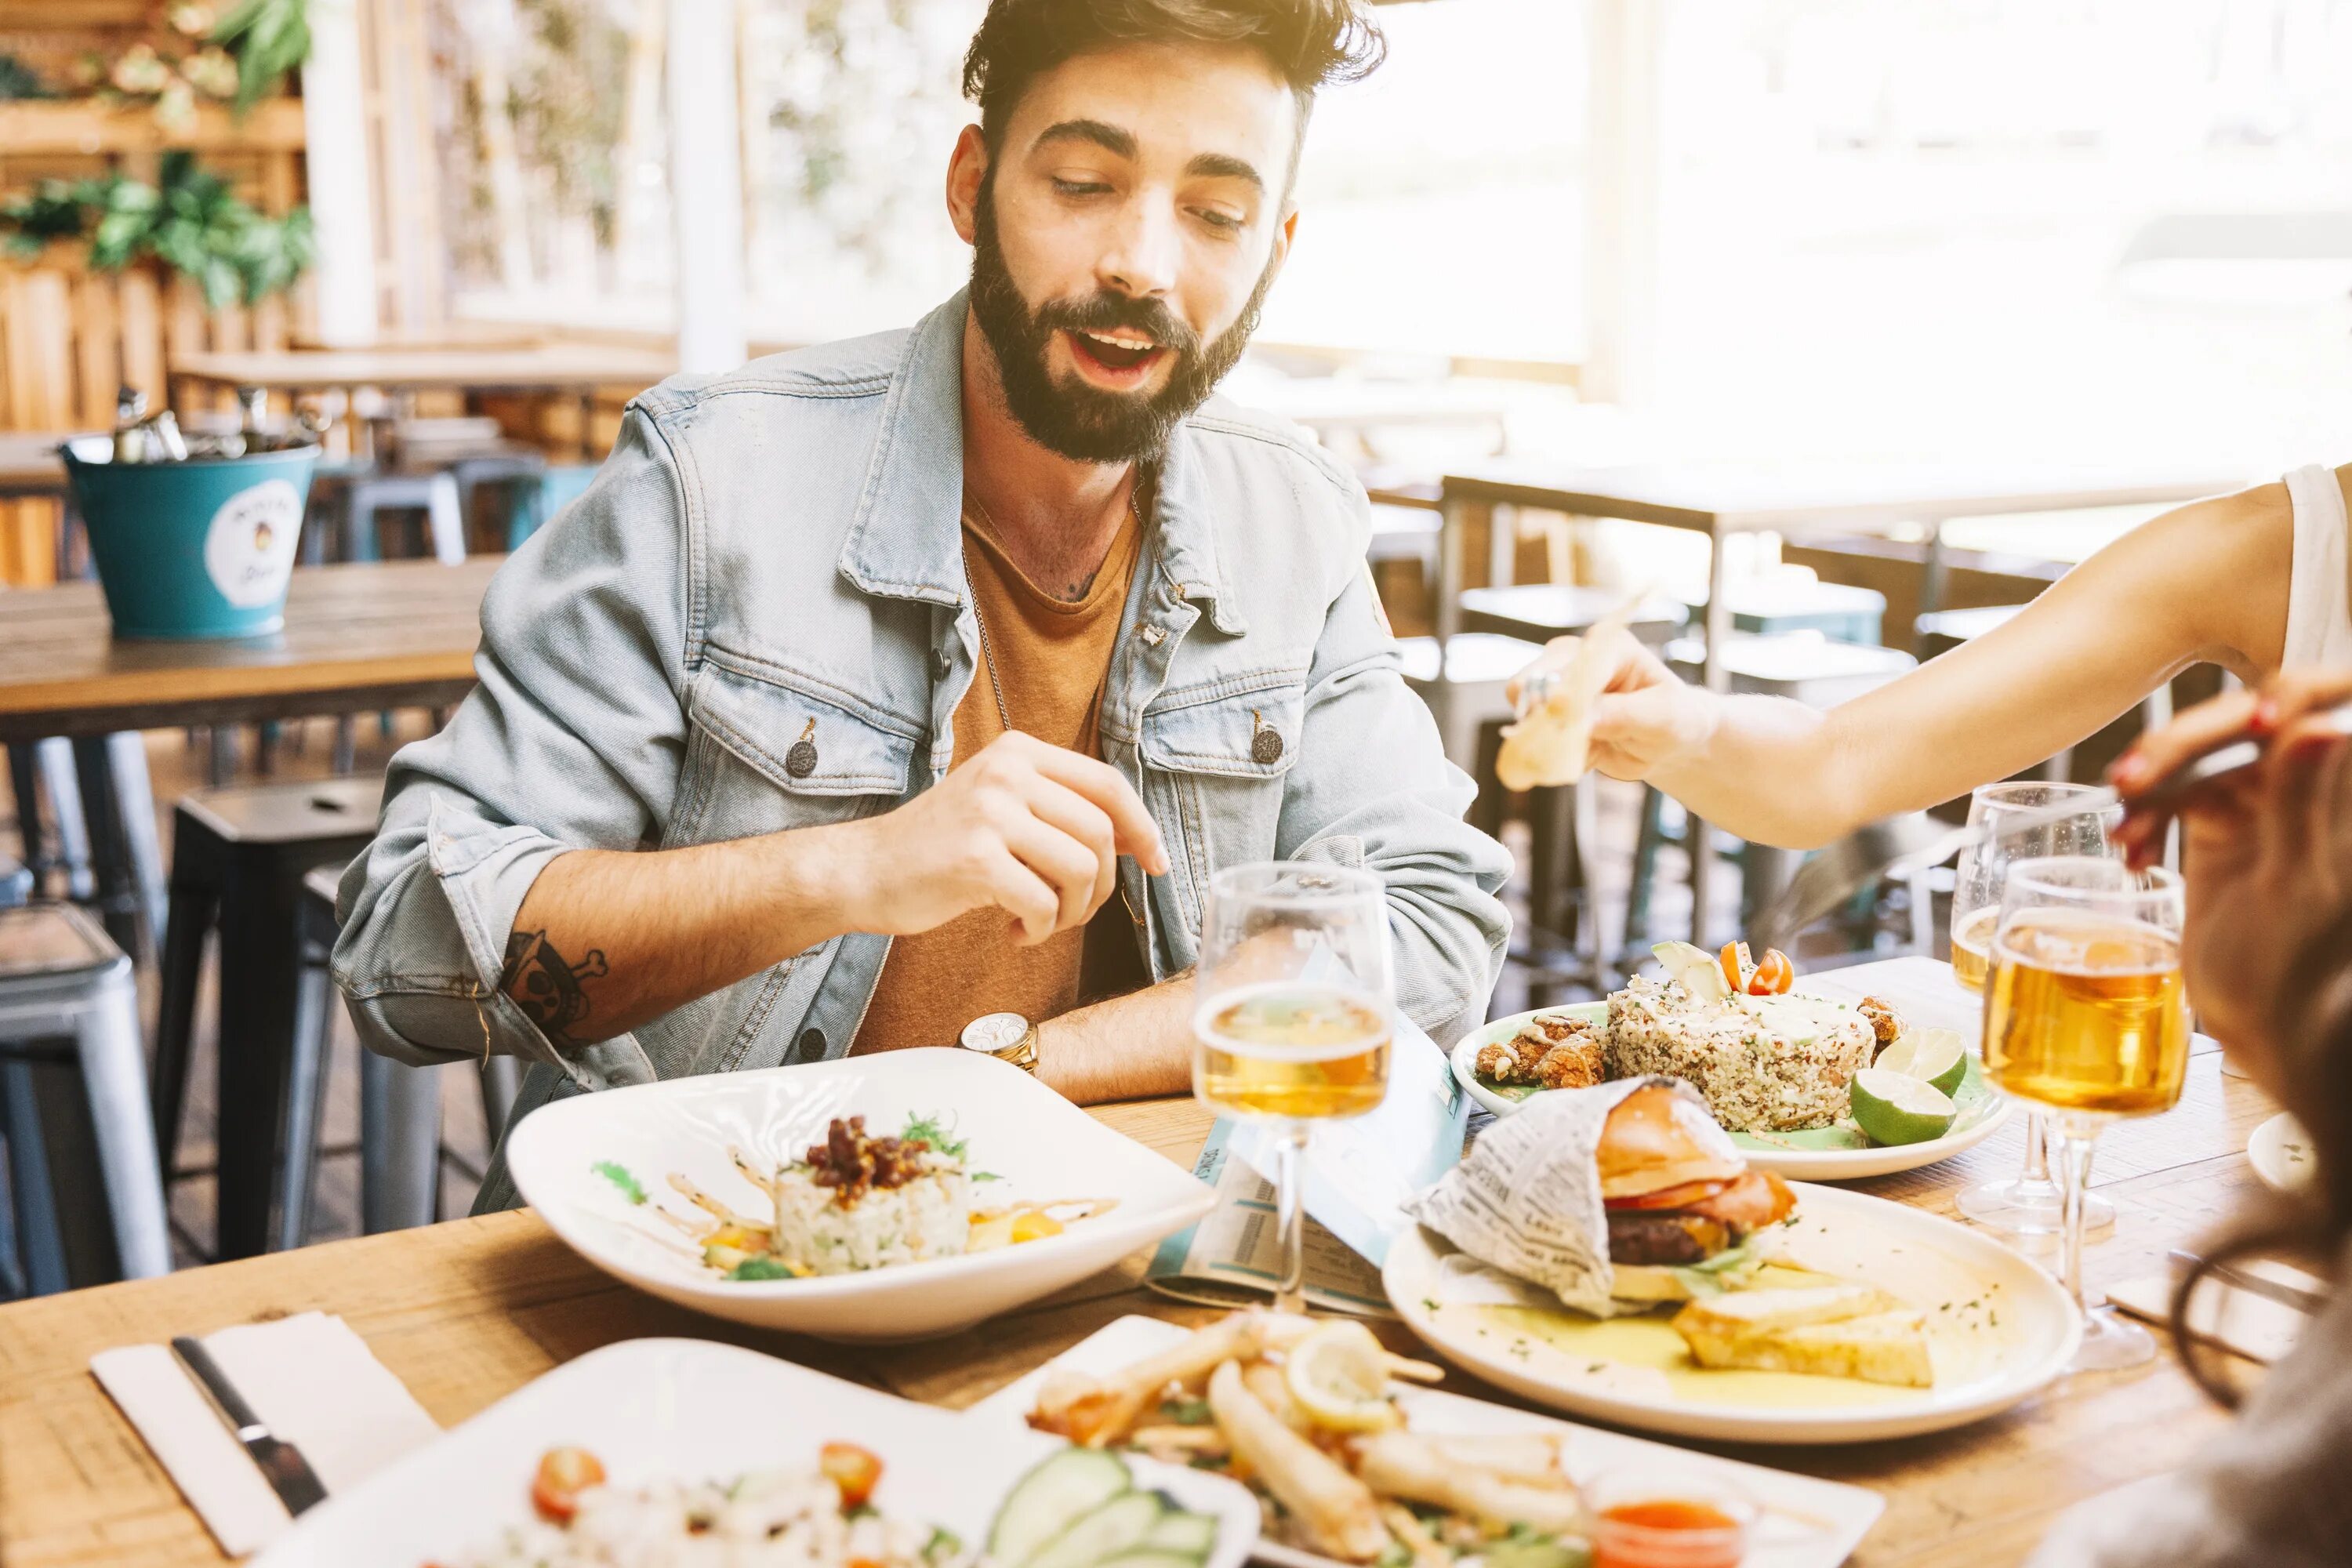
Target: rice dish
x=928, y=1215
x=1765, y=1064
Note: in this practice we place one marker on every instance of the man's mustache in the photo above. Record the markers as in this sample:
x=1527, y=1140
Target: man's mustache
x=1104, y=310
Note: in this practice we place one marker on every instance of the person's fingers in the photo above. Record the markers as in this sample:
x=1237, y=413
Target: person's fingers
x=1020, y=892
x=2200, y=729
x=1066, y=811
x=1132, y=830
x=1558, y=655
x=1066, y=865
x=2289, y=695
x=1638, y=725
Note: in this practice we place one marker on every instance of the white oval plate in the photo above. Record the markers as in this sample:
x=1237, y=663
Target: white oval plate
x=1041, y=1146
x=1808, y=1523
x=692, y=1410
x=1983, y=1109
x=2000, y=1330
x=2282, y=1154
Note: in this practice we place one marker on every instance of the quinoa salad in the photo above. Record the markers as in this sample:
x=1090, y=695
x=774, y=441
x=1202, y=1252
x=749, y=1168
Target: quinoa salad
x=1765, y=1064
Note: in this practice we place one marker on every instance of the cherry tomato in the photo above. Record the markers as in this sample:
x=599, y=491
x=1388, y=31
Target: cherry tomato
x=1736, y=964
x=563, y=1474
x=852, y=1469
x=1774, y=974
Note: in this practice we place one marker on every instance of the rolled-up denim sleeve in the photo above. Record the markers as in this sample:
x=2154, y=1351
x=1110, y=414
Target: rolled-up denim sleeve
x=1372, y=787
x=574, y=739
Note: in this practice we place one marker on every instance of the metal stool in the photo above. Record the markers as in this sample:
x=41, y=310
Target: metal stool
x=1795, y=601
x=1540, y=612
x=435, y=494
x=1404, y=533
x=88, y=1194
x=400, y=1105
x=104, y=811
x=238, y=856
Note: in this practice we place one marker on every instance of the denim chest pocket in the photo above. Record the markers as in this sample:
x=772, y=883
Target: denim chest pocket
x=764, y=756
x=1212, y=772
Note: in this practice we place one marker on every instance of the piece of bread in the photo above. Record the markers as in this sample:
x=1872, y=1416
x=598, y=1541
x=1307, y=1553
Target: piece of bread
x=1878, y=1348
x=1757, y=1312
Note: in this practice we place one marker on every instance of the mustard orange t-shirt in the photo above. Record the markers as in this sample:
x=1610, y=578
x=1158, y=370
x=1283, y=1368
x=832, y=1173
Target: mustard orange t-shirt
x=1051, y=656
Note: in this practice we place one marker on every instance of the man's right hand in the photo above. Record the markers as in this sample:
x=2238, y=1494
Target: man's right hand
x=1024, y=827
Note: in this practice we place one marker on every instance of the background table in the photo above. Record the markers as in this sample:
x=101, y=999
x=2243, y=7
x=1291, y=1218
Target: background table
x=1793, y=499
x=359, y=638
x=468, y=1311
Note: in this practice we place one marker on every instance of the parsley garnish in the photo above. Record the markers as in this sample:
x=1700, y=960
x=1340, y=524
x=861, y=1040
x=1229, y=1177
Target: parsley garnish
x=931, y=1131
x=618, y=1174
x=762, y=1266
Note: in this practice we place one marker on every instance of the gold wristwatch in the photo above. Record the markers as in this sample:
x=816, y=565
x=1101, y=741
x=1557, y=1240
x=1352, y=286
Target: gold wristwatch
x=1007, y=1036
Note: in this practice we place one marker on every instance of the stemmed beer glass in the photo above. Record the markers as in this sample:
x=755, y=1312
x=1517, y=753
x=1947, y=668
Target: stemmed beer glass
x=1296, y=1004
x=2085, y=1017
x=2029, y=1202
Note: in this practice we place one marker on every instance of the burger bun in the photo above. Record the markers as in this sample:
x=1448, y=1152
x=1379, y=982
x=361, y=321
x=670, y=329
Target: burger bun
x=1662, y=1136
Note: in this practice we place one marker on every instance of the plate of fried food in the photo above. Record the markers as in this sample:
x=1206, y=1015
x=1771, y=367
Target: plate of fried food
x=1612, y=1253
x=1815, y=1079
x=1355, y=1459
x=895, y=1196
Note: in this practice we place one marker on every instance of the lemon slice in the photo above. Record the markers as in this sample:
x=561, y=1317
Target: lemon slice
x=1895, y=1108
x=1340, y=1375
x=1932, y=1055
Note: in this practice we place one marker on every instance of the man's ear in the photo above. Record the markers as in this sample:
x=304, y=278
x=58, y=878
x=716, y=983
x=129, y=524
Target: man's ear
x=967, y=168
x=1285, y=232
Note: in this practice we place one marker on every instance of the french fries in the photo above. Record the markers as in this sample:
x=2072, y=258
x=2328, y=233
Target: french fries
x=1339, y=1482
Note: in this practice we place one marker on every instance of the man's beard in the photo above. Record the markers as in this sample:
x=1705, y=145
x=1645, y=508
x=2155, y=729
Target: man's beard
x=1068, y=417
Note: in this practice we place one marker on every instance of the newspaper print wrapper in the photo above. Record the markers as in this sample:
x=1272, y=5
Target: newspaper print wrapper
x=1527, y=1200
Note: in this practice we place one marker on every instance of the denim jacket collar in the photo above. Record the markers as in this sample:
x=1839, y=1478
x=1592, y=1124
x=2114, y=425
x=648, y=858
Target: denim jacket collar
x=906, y=540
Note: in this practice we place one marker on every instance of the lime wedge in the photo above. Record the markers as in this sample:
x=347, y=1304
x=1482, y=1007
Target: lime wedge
x=1896, y=1108
x=1932, y=1055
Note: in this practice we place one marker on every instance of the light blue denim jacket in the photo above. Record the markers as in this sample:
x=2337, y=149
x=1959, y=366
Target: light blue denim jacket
x=781, y=546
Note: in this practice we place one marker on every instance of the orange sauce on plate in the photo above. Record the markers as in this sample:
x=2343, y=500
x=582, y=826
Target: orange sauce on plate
x=1667, y=1533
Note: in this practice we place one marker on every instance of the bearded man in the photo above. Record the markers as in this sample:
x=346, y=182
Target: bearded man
x=882, y=687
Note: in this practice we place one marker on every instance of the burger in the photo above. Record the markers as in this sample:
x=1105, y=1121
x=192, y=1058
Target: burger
x=1685, y=1214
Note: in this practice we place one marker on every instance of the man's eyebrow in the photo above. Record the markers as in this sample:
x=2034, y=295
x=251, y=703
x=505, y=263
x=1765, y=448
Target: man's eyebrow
x=1109, y=137
x=1224, y=166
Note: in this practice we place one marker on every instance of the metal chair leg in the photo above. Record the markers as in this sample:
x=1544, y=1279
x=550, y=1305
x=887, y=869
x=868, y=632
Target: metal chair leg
x=193, y=903
x=54, y=759
x=39, y=1243
x=400, y=1143
x=306, y=1090
x=446, y=520
x=134, y=798
x=114, y=1076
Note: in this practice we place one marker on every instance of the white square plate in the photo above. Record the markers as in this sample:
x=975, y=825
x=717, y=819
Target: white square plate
x=1806, y=1523
x=1041, y=1146
x=651, y=1409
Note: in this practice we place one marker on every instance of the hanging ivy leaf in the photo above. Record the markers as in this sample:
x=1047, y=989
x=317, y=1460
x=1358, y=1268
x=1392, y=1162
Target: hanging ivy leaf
x=191, y=221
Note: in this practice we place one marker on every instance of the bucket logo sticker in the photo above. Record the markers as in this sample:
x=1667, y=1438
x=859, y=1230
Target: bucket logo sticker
x=249, y=549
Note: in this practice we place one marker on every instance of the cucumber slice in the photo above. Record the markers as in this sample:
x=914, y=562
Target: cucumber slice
x=1193, y=1535
x=1042, y=1503
x=1118, y=1525
x=1153, y=1557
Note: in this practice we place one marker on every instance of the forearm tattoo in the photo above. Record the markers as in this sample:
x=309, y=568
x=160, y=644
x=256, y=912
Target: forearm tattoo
x=546, y=985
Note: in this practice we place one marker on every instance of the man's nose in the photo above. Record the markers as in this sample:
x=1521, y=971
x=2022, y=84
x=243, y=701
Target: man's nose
x=1140, y=261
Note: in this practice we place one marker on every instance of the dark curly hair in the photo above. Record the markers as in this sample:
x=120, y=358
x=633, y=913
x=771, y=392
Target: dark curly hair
x=1307, y=42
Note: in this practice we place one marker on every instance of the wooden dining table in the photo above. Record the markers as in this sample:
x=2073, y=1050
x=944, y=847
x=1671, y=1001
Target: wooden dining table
x=468, y=1311
x=357, y=637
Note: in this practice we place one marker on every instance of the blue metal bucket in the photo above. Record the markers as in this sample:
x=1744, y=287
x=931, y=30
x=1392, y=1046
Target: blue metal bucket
x=198, y=548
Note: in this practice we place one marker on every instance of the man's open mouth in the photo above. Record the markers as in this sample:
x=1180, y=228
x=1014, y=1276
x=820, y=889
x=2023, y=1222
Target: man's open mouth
x=1121, y=350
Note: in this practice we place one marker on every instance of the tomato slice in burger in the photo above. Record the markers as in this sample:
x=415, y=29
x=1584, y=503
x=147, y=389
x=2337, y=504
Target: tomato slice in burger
x=1675, y=1197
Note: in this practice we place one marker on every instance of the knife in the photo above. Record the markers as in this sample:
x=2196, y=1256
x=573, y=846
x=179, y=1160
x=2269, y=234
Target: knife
x=281, y=1464
x=2310, y=1303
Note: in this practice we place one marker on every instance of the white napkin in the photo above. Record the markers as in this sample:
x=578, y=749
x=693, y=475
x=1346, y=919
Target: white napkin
x=314, y=1383
x=2254, y=1326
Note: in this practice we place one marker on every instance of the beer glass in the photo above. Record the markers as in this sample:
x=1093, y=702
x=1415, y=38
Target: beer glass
x=1294, y=1001
x=2085, y=1018
x=2029, y=1202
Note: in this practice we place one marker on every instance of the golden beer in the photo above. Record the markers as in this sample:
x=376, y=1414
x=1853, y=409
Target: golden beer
x=2085, y=1013
x=1971, y=943
x=1290, y=1050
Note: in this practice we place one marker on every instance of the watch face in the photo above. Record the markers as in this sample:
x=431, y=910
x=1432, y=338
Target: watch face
x=996, y=1032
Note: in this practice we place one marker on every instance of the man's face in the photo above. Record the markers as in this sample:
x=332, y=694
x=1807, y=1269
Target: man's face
x=1123, y=237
